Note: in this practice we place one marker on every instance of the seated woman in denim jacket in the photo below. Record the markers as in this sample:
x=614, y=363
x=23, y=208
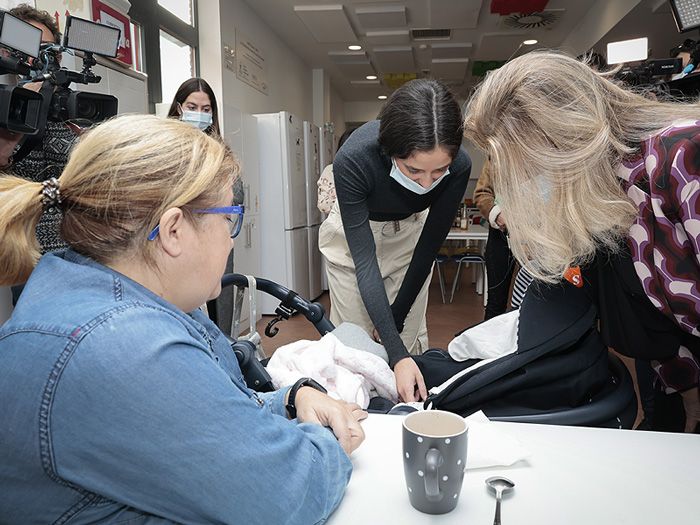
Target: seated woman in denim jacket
x=121, y=401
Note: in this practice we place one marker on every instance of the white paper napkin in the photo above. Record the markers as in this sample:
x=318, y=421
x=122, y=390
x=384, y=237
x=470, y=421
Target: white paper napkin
x=490, y=446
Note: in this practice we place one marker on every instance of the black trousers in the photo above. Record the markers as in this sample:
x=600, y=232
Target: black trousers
x=499, y=270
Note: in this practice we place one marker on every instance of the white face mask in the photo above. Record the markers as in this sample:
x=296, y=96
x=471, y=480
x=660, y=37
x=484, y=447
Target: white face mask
x=410, y=184
x=198, y=119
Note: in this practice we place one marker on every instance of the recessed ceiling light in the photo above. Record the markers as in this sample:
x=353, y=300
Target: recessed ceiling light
x=382, y=97
x=530, y=42
x=354, y=48
x=371, y=77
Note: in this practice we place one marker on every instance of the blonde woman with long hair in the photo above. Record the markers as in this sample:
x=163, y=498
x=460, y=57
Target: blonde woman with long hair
x=121, y=401
x=602, y=187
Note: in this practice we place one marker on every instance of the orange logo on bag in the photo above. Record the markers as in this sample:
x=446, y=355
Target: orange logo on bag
x=573, y=275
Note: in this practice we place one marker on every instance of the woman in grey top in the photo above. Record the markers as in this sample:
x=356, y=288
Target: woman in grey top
x=399, y=182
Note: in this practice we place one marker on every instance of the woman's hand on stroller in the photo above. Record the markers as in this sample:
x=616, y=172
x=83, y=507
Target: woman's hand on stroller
x=409, y=381
x=342, y=418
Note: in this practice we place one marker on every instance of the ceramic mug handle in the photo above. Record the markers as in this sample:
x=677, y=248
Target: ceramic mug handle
x=433, y=461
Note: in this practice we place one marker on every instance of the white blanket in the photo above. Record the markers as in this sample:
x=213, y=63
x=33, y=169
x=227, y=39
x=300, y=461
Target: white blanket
x=493, y=338
x=348, y=374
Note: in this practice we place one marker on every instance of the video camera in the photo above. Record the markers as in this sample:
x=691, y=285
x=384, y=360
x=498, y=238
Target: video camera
x=644, y=73
x=25, y=111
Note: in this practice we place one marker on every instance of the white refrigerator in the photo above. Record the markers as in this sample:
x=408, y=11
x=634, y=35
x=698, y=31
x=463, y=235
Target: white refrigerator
x=283, y=212
x=312, y=165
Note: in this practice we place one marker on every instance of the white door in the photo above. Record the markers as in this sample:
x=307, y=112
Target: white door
x=313, y=172
x=293, y=173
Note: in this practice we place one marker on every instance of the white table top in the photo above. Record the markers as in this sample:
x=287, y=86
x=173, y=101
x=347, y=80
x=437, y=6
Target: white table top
x=574, y=476
x=476, y=232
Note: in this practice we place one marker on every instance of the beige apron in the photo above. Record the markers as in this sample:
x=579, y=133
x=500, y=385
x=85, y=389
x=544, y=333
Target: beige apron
x=395, y=242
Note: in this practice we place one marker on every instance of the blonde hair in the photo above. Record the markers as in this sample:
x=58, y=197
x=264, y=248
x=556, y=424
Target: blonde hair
x=121, y=177
x=556, y=131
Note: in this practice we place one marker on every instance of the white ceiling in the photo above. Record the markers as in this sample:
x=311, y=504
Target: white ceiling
x=320, y=31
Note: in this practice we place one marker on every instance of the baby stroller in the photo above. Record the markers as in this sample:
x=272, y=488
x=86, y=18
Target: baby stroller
x=561, y=372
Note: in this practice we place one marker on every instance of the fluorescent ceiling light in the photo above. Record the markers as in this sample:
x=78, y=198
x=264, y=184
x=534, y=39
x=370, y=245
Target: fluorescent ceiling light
x=530, y=42
x=628, y=50
x=371, y=77
x=382, y=97
x=354, y=48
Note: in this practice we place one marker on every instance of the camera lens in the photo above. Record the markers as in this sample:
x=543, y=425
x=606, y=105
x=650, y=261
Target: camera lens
x=87, y=109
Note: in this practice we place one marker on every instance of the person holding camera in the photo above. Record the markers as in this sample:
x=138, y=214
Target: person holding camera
x=399, y=181
x=47, y=158
x=602, y=188
x=121, y=400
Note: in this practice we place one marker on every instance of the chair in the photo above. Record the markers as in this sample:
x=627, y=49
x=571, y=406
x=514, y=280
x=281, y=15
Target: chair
x=481, y=278
x=439, y=260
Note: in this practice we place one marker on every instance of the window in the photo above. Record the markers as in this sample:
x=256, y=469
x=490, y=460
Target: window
x=176, y=65
x=167, y=44
x=136, y=47
x=180, y=8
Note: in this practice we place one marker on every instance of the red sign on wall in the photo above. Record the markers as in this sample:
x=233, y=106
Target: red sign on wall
x=104, y=14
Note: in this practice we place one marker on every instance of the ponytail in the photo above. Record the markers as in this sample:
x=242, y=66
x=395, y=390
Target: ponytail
x=20, y=210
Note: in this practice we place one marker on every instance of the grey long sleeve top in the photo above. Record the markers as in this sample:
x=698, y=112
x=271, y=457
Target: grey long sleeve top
x=366, y=192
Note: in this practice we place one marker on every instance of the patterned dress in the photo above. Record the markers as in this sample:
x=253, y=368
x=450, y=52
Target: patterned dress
x=664, y=183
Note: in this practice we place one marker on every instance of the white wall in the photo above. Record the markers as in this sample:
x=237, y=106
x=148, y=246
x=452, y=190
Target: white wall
x=288, y=77
x=362, y=111
x=337, y=114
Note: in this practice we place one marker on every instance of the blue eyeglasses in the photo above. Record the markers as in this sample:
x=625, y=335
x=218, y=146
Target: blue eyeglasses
x=235, y=219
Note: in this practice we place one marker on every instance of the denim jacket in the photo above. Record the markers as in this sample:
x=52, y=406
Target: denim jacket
x=118, y=407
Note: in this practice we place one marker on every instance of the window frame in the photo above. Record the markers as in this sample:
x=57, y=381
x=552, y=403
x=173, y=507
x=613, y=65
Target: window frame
x=153, y=18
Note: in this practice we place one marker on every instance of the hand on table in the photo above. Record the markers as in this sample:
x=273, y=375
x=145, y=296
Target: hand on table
x=341, y=417
x=691, y=404
x=408, y=380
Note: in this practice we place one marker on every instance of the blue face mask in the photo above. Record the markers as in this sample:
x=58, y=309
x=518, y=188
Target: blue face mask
x=198, y=119
x=410, y=184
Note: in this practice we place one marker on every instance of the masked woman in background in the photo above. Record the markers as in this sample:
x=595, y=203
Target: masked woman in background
x=195, y=104
x=399, y=181
x=602, y=187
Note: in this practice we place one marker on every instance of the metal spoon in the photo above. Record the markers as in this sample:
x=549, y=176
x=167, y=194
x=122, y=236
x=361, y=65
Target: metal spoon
x=500, y=485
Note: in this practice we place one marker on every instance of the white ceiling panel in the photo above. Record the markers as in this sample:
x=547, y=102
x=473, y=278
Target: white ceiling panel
x=499, y=46
x=453, y=13
x=451, y=50
x=381, y=16
x=357, y=71
x=388, y=37
x=317, y=30
x=395, y=59
x=327, y=23
x=449, y=68
x=348, y=57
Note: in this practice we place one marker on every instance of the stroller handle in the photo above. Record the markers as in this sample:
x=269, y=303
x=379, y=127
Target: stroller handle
x=313, y=311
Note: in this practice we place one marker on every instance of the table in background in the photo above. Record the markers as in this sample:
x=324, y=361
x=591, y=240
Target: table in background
x=476, y=232
x=575, y=476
